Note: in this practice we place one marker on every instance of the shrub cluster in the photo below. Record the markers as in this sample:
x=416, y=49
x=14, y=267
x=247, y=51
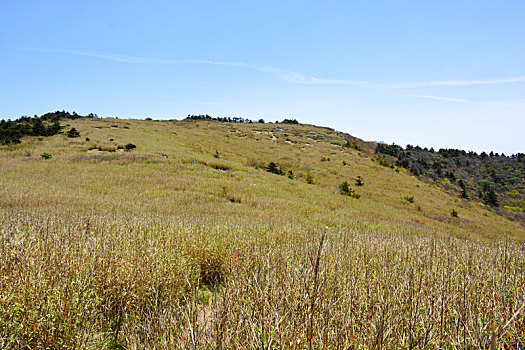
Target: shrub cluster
x=11, y=132
x=222, y=119
x=353, y=145
x=383, y=162
x=345, y=189
x=290, y=121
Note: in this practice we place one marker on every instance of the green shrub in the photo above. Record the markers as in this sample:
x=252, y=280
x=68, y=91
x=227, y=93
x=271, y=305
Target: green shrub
x=272, y=168
x=359, y=181
x=409, y=199
x=46, y=155
x=383, y=163
x=513, y=209
x=454, y=213
x=291, y=175
x=309, y=179
x=345, y=189
x=353, y=145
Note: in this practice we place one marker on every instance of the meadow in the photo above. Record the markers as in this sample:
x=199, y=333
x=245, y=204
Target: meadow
x=188, y=242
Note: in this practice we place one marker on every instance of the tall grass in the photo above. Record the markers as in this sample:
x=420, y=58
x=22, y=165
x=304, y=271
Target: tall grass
x=88, y=282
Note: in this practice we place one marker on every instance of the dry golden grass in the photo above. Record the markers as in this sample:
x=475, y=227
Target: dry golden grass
x=168, y=247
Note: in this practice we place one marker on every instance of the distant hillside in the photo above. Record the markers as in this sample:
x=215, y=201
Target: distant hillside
x=495, y=179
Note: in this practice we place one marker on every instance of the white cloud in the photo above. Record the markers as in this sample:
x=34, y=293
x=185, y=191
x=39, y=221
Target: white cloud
x=294, y=77
x=497, y=103
x=440, y=98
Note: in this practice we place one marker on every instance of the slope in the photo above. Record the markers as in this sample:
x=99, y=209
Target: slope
x=190, y=226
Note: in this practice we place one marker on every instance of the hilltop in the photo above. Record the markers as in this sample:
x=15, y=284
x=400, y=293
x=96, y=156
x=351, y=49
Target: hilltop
x=225, y=232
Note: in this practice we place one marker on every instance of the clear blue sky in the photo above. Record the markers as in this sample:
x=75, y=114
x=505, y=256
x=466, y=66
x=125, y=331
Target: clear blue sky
x=432, y=73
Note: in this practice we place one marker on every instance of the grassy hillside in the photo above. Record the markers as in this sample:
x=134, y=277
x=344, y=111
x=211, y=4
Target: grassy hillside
x=187, y=241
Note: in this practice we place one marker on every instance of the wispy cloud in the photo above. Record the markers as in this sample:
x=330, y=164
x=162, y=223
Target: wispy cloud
x=462, y=100
x=433, y=83
x=440, y=98
x=497, y=103
x=294, y=77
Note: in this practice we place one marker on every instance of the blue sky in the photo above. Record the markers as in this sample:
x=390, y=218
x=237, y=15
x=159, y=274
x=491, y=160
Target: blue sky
x=432, y=73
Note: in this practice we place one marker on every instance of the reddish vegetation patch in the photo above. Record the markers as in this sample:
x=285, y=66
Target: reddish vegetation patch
x=419, y=221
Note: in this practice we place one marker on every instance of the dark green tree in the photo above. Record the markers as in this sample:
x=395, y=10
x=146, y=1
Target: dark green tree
x=54, y=128
x=344, y=187
x=272, y=168
x=464, y=193
x=491, y=198
x=38, y=128
x=73, y=133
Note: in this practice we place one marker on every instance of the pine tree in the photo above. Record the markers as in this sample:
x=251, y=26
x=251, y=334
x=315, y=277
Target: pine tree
x=272, y=168
x=73, y=133
x=491, y=198
x=38, y=128
x=464, y=193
